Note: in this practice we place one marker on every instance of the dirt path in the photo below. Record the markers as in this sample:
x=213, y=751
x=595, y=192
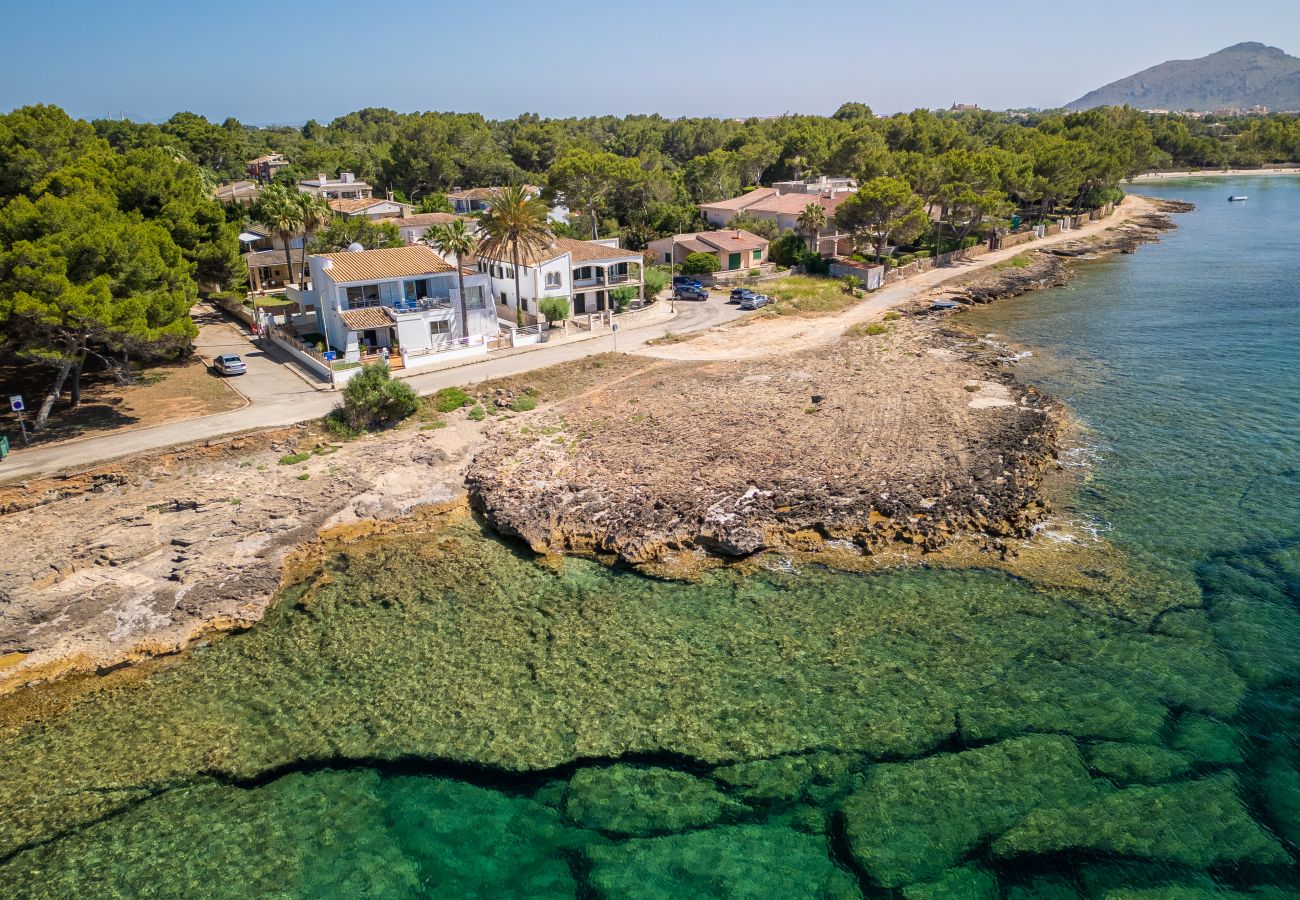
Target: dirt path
x=760, y=337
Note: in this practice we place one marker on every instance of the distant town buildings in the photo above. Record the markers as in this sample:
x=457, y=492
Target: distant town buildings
x=264, y=169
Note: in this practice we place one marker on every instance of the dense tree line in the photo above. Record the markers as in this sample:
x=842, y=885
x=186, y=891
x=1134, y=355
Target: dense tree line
x=641, y=176
x=102, y=248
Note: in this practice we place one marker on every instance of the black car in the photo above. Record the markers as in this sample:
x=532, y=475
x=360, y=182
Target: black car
x=740, y=294
x=682, y=292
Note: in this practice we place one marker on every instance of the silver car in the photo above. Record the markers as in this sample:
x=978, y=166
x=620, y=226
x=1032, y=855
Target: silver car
x=229, y=364
x=754, y=301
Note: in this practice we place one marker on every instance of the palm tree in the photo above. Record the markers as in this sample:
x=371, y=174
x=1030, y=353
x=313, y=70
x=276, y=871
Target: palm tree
x=811, y=221
x=277, y=208
x=457, y=239
x=314, y=213
x=514, y=223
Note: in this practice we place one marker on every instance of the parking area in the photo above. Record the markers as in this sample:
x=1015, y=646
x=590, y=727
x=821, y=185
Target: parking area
x=268, y=375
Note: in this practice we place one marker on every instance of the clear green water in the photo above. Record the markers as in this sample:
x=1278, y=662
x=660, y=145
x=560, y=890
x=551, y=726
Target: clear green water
x=435, y=715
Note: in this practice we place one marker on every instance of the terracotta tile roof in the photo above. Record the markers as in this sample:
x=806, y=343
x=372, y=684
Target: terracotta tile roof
x=581, y=251
x=236, y=189
x=727, y=239
x=424, y=219
x=485, y=193
x=368, y=317
x=358, y=204
x=377, y=265
x=743, y=201
x=272, y=157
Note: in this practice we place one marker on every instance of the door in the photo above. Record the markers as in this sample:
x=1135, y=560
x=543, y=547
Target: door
x=734, y=261
x=580, y=304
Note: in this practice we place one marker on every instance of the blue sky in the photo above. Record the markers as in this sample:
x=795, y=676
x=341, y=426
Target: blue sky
x=288, y=61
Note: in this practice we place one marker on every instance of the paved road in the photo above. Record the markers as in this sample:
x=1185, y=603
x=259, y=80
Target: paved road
x=278, y=396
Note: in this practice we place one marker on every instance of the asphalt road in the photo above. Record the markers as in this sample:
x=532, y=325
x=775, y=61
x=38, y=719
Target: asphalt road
x=278, y=395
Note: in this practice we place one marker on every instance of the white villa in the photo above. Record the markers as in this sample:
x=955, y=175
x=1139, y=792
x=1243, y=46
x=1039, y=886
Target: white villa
x=403, y=302
x=584, y=271
x=345, y=187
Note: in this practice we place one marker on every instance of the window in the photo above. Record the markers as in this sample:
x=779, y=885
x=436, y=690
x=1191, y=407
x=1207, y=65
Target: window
x=552, y=279
x=504, y=301
x=758, y=255
x=420, y=287
x=582, y=274
x=474, y=298
x=437, y=329
x=363, y=295
x=668, y=258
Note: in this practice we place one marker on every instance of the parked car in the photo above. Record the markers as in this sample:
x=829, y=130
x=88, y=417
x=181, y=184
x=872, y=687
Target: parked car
x=229, y=364
x=684, y=292
x=687, y=281
x=754, y=301
x=739, y=294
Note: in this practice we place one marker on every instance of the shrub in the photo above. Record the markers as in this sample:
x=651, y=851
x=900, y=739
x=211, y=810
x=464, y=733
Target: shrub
x=700, y=264
x=622, y=296
x=334, y=423
x=656, y=279
x=906, y=259
x=477, y=414
x=875, y=328
x=787, y=250
x=304, y=476
x=921, y=254
x=294, y=458
x=554, y=309
x=523, y=403
x=860, y=330
x=892, y=316
x=373, y=399
x=450, y=399
x=753, y=273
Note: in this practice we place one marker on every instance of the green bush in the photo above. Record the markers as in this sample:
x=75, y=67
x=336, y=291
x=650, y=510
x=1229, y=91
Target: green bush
x=555, y=309
x=753, y=273
x=656, y=279
x=622, y=296
x=905, y=259
x=787, y=250
x=523, y=403
x=477, y=414
x=450, y=399
x=294, y=458
x=700, y=264
x=921, y=254
x=334, y=423
x=373, y=399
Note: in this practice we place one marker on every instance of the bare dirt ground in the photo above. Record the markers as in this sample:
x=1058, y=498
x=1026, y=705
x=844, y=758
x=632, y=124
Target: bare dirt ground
x=168, y=393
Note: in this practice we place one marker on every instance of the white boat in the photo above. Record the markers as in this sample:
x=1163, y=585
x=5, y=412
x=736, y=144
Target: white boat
x=1235, y=199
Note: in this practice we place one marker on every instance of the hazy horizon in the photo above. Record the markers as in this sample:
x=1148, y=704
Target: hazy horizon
x=297, y=61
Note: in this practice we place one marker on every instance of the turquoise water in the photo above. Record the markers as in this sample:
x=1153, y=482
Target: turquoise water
x=433, y=714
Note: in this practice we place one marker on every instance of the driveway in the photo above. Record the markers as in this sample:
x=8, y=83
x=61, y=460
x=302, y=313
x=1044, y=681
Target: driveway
x=268, y=378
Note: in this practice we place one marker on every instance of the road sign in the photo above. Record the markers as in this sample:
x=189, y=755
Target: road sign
x=16, y=402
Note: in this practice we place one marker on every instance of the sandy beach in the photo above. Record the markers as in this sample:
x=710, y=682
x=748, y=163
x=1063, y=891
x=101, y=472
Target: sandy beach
x=1215, y=173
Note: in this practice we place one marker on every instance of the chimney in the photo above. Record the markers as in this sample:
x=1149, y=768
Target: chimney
x=388, y=195
x=347, y=177
x=321, y=179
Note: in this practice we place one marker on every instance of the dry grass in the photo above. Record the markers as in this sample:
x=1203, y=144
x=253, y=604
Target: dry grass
x=802, y=295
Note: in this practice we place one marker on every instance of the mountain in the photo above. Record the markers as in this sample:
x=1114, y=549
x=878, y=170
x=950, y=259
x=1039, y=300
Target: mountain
x=1242, y=75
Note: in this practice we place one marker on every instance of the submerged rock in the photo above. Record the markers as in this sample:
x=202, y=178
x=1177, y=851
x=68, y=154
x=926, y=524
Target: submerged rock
x=632, y=800
x=1207, y=741
x=1142, y=763
x=789, y=778
x=1195, y=823
x=911, y=821
x=742, y=862
x=966, y=883
x=333, y=833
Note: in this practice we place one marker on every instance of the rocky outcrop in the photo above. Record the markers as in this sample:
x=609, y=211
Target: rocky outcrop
x=883, y=439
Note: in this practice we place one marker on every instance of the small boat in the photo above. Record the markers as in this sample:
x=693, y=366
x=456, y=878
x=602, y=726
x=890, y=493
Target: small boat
x=1235, y=199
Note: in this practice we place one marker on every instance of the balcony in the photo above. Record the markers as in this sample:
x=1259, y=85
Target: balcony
x=605, y=281
x=422, y=306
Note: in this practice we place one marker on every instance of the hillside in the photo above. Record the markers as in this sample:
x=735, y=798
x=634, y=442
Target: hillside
x=1242, y=76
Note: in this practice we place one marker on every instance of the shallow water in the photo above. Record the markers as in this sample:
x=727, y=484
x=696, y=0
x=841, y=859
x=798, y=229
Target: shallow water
x=435, y=715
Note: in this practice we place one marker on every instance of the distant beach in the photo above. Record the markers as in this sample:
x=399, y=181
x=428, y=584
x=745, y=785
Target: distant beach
x=1216, y=173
